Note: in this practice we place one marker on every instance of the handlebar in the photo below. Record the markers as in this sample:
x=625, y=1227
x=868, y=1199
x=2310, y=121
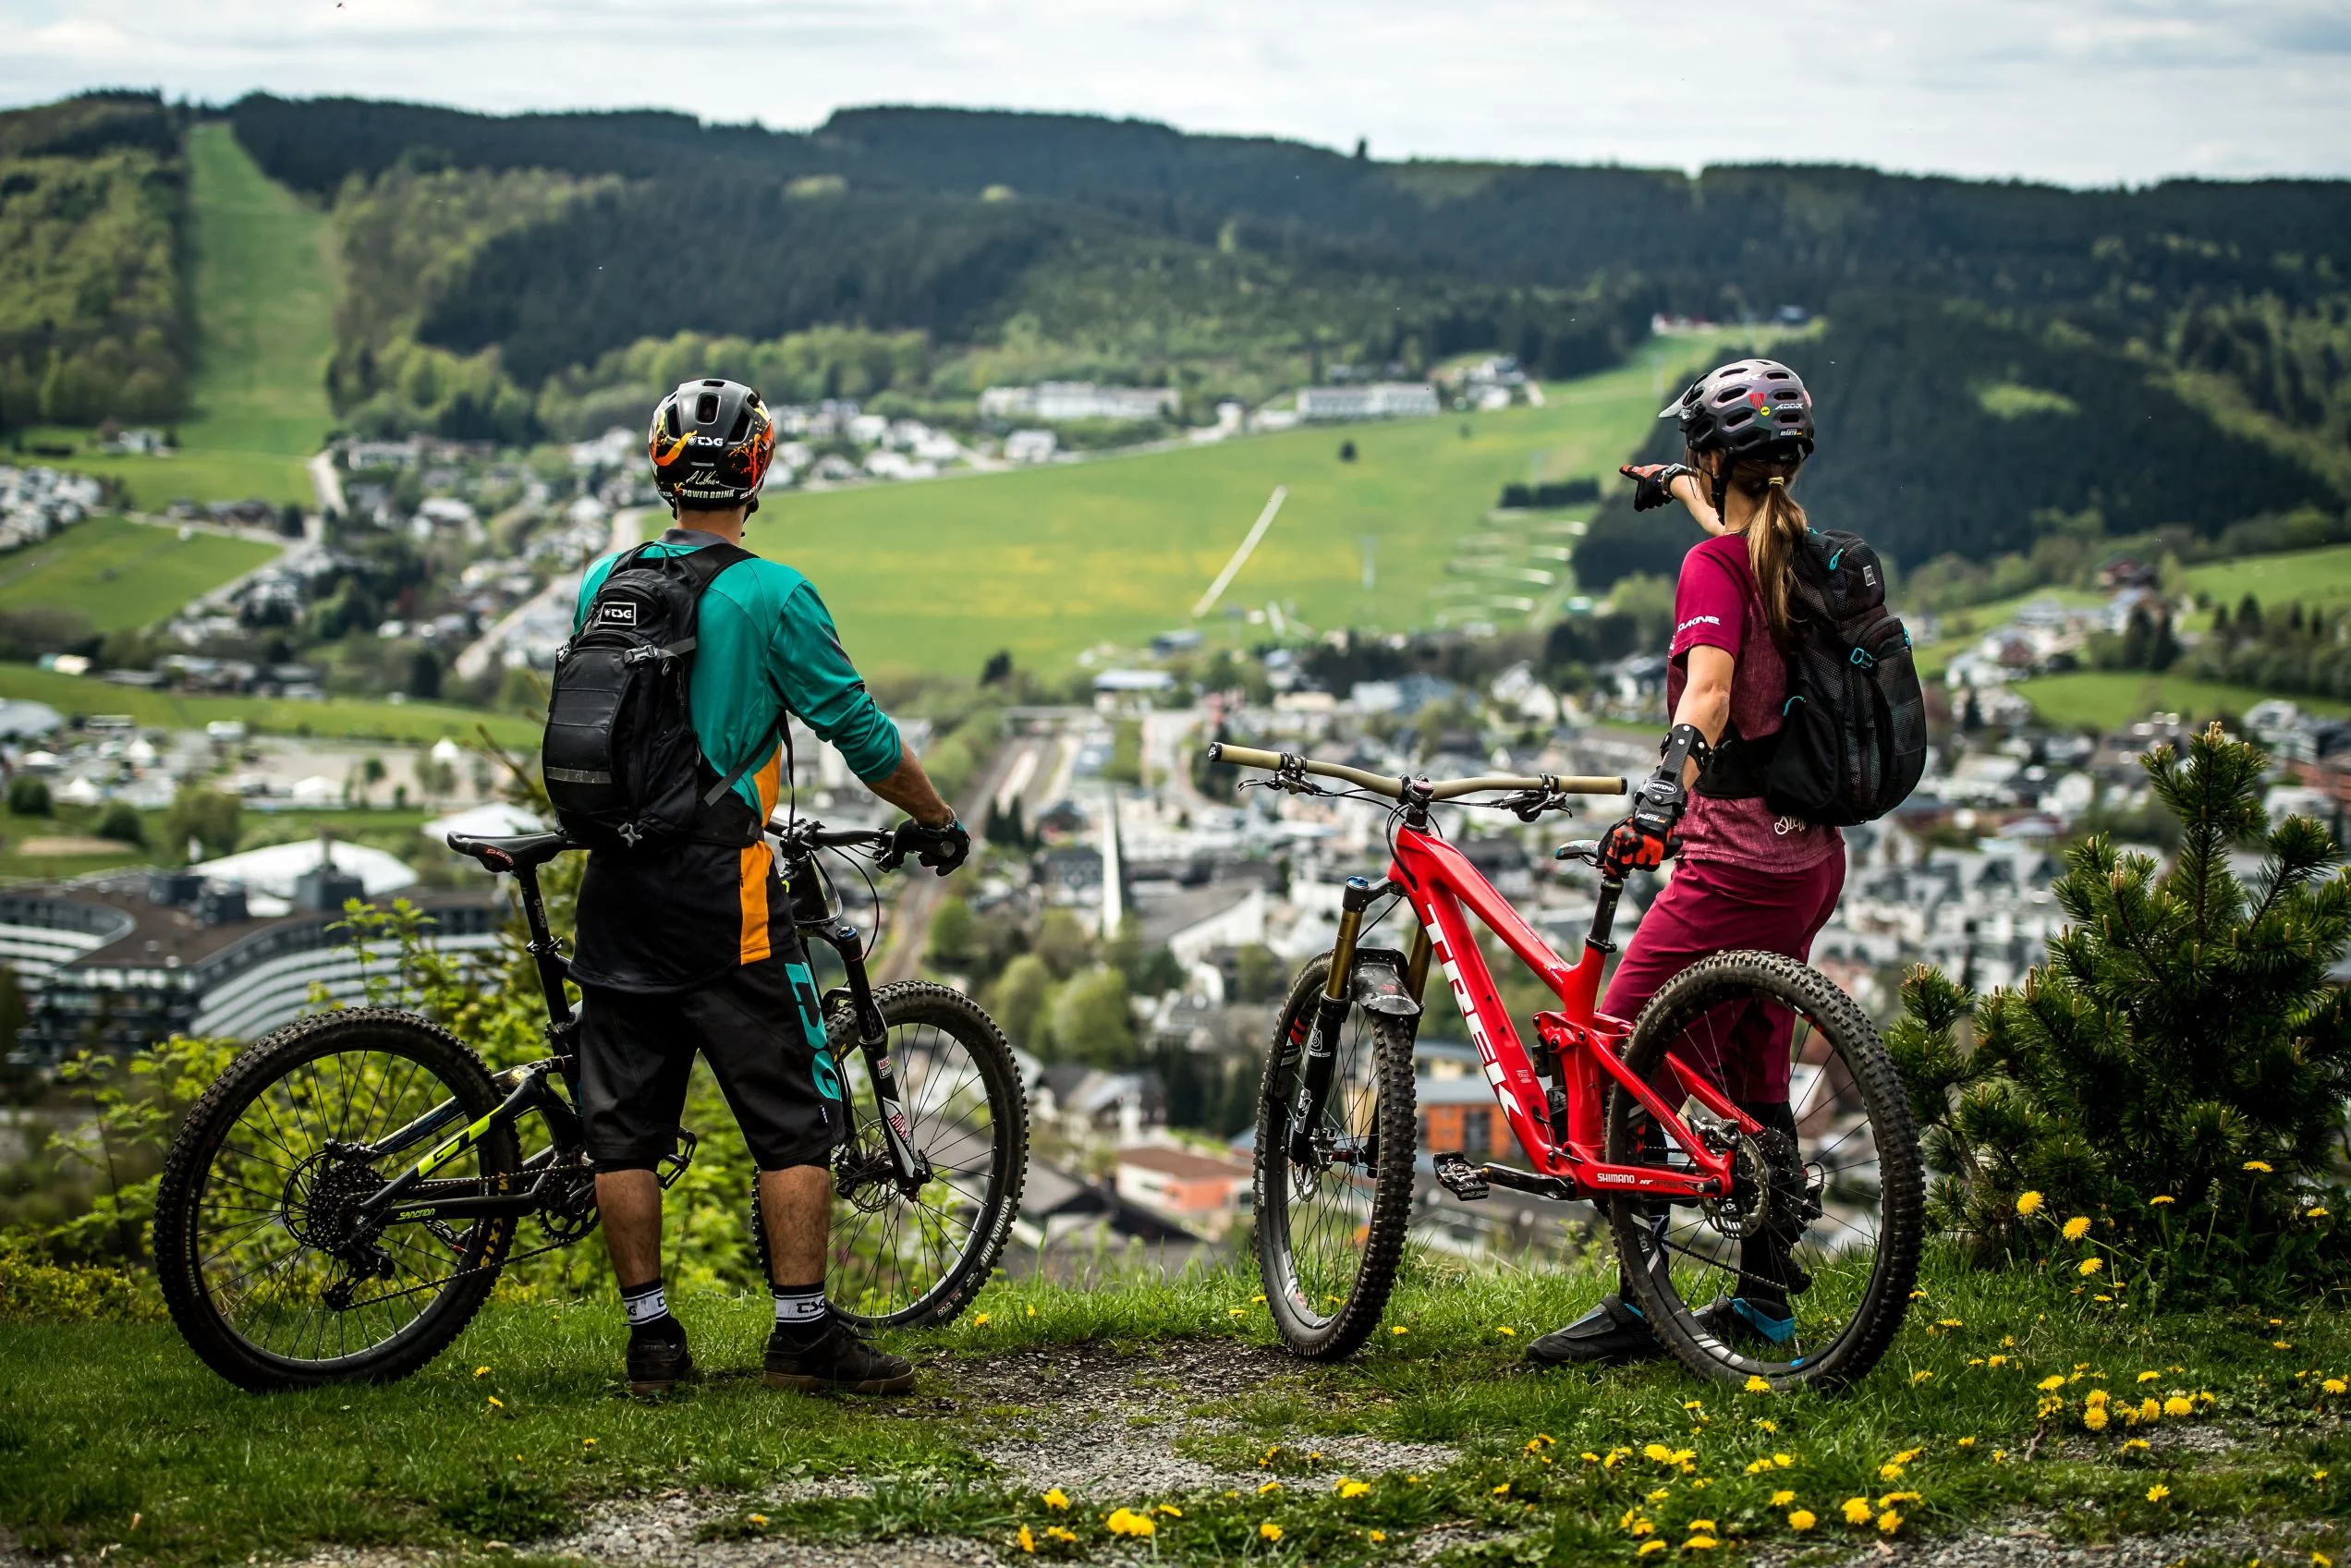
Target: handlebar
x=1439, y=789
x=816, y=835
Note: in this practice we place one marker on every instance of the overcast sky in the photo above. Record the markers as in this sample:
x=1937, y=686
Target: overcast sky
x=2083, y=92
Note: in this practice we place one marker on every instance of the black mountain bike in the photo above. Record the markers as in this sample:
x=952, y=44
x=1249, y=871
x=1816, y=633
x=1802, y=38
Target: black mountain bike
x=339, y=1203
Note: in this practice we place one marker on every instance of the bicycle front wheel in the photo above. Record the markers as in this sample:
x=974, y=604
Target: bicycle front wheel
x=1802, y=1273
x=901, y=1259
x=270, y=1266
x=1334, y=1198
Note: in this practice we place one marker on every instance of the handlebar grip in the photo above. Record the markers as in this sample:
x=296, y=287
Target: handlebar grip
x=1243, y=756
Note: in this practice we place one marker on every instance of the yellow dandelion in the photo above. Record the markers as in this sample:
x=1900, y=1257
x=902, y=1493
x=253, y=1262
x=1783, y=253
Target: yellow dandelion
x=2095, y=1397
x=1996, y=1361
x=980, y=1320
x=2318, y=1475
x=2050, y=1383
x=1032, y=1312
x=481, y=1371
x=1026, y=1542
x=1506, y=1331
x=2316, y=1213
x=1376, y=1537
x=1889, y=1471
x=1856, y=1509
x=1782, y=1497
x=2095, y=1417
x=2149, y=1377
x=2334, y=1385
x=2281, y=1344
x=758, y=1518
x=1269, y=1486
x=2178, y=1405
x=2090, y=1266
x=497, y=1404
x=2075, y=1228
x=2259, y=1167
x=1643, y=1528
x=1918, y=1378
x=1770, y=1427
x=2149, y=1409
x=587, y=1442
x=2320, y=1560
x=1759, y=1466
x=1801, y=1519
x=1057, y=1499
x=2158, y=1492
x=1062, y=1533
x=1647, y=1548
x=1889, y=1522
x=1171, y=1511
x=2160, y=1200
x=1270, y=1530
x=1127, y=1521
x=1757, y=1385
x=1258, y=1298
x=2028, y=1203
x=1347, y=1488
x=1503, y=1490
x=1700, y=1543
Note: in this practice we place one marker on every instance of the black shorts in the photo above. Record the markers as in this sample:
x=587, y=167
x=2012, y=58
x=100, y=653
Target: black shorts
x=761, y=1028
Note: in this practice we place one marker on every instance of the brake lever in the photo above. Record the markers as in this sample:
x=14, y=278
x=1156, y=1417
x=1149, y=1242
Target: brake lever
x=1584, y=849
x=1528, y=804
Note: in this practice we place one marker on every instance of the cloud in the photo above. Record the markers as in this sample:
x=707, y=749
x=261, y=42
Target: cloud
x=2089, y=91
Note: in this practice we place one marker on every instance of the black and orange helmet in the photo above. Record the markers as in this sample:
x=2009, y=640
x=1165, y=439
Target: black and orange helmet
x=711, y=443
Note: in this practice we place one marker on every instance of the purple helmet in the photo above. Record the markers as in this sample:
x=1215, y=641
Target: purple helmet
x=1750, y=409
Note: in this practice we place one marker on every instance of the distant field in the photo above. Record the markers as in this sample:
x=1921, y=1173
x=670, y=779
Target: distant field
x=339, y=718
x=2311, y=577
x=1047, y=561
x=263, y=290
x=2107, y=699
x=1957, y=629
x=123, y=574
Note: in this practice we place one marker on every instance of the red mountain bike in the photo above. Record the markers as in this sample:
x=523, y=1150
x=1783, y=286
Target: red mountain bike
x=1639, y=1118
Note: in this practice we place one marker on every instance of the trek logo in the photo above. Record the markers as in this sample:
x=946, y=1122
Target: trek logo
x=618, y=613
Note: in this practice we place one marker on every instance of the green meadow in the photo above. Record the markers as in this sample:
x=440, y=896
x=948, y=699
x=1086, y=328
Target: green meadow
x=336, y=718
x=263, y=281
x=2313, y=578
x=1050, y=560
x=119, y=574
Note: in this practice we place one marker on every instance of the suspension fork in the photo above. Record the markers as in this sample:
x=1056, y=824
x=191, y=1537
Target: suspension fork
x=1330, y=1018
x=874, y=1041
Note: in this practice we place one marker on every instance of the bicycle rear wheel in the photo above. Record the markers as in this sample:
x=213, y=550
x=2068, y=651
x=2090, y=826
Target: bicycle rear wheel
x=916, y=1260
x=1803, y=1272
x=269, y=1270
x=1331, y=1228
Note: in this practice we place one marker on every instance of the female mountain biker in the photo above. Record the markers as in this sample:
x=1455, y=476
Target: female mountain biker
x=1748, y=879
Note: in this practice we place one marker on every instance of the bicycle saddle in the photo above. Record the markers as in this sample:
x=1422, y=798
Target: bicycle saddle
x=511, y=853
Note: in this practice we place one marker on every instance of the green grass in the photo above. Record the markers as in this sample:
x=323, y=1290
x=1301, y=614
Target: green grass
x=337, y=718
x=264, y=285
x=120, y=573
x=521, y=1424
x=2106, y=700
x=2312, y=576
x=1050, y=560
x=1959, y=628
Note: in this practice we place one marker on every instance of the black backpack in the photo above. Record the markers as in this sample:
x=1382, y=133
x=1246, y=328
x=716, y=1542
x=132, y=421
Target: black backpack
x=621, y=760
x=1854, y=738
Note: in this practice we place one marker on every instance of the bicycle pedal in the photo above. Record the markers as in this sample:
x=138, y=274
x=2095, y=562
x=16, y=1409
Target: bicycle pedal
x=1461, y=1178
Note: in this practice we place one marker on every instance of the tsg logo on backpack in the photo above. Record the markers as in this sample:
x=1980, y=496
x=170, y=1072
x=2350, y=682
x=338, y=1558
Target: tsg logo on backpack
x=621, y=760
x=1853, y=740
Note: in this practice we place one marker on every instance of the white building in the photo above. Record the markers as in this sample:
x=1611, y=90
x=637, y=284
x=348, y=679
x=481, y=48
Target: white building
x=1380, y=400
x=1060, y=400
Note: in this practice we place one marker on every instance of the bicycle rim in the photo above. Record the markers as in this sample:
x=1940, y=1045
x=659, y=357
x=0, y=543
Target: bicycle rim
x=1330, y=1227
x=897, y=1259
x=1804, y=1270
x=277, y=1252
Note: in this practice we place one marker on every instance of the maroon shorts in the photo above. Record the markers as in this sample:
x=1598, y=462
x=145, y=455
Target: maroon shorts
x=1713, y=906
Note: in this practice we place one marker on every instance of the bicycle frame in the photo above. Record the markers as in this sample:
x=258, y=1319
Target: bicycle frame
x=1559, y=1125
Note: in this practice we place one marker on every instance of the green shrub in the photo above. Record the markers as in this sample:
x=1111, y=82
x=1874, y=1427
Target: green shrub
x=36, y=1289
x=28, y=796
x=120, y=822
x=2175, y=1076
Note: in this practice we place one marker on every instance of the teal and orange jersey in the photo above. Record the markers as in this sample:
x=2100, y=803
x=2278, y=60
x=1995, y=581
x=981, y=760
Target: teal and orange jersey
x=667, y=919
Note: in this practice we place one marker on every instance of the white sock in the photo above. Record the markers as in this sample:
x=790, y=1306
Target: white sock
x=646, y=1304
x=802, y=1308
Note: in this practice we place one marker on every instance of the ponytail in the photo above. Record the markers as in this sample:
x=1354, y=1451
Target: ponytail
x=1773, y=536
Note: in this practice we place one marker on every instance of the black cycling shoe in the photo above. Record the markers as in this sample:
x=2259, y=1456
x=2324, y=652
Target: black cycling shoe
x=838, y=1360
x=1611, y=1332
x=658, y=1356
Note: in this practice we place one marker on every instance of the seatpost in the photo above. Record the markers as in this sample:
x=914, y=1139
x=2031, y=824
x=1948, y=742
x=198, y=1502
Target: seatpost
x=1604, y=919
x=542, y=948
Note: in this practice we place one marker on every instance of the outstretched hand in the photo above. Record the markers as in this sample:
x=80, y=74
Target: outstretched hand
x=1653, y=482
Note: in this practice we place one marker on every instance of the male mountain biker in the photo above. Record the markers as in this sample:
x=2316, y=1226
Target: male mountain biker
x=686, y=946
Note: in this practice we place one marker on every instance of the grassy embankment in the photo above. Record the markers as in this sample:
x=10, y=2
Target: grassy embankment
x=118, y=574
x=262, y=286
x=112, y=1433
x=1046, y=562
x=336, y=718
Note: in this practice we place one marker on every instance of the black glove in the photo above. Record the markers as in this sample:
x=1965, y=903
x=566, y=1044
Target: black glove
x=1653, y=482
x=1645, y=839
x=944, y=848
